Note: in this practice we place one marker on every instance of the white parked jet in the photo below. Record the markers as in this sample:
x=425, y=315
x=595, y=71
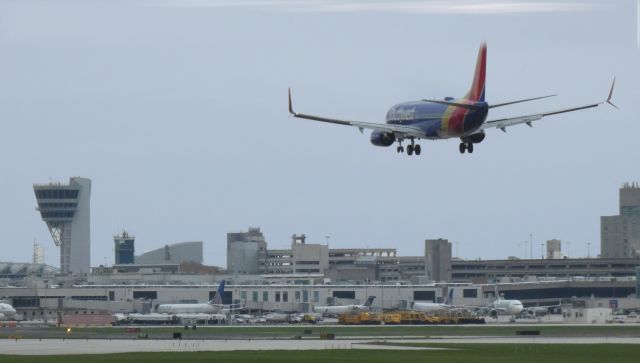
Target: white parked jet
x=343, y=309
x=7, y=312
x=212, y=307
x=430, y=307
x=504, y=307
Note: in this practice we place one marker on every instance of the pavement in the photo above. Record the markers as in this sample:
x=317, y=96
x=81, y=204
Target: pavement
x=105, y=346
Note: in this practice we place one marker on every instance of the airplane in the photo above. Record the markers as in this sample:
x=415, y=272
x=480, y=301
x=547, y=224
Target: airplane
x=501, y=306
x=429, y=119
x=278, y=317
x=7, y=312
x=429, y=307
x=212, y=307
x=343, y=309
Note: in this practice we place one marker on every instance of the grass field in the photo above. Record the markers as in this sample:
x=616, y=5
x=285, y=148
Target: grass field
x=288, y=331
x=470, y=353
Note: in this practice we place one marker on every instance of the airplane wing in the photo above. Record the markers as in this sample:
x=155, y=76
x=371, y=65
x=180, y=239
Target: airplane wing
x=398, y=130
x=502, y=124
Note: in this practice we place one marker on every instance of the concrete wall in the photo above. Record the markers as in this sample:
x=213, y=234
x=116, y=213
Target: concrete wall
x=80, y=256
x=242, y=257
x=438, y=259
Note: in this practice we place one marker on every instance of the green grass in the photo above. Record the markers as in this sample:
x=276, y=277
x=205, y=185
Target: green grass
x=469, y=353
x=288, y=331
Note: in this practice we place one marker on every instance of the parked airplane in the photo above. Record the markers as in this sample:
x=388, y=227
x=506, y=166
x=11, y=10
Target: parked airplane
x=464, y=118
x=7, y=312
x=429, y=307
x=277, y=317
x=212, y=307
x=343, y=309
x=504, y=307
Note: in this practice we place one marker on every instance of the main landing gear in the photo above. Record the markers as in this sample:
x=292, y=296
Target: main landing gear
x=466, y=146
x=411, y=148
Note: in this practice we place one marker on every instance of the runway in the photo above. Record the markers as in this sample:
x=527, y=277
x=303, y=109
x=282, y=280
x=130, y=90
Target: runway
x=105, y=346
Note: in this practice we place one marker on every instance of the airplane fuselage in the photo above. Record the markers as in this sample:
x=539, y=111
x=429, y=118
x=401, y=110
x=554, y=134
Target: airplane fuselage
x=508, y=307
x=436, y=120
x=430, y=307
x=188, y=308
x=339, y=309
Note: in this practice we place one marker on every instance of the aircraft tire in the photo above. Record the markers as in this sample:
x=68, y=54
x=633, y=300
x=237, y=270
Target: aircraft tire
x=470, y=148
x=417, y=149
x=462, y=148
x=409, y=149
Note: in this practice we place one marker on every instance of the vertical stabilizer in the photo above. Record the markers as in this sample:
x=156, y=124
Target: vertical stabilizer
x=217, y=299
x=476, y=92
x=449, y=298
x=369, y=301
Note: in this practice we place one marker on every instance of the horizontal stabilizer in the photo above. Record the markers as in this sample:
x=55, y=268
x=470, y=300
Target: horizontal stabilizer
x=519, y=101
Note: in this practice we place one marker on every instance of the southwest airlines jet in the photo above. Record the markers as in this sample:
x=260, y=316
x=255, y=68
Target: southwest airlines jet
x=464, y=118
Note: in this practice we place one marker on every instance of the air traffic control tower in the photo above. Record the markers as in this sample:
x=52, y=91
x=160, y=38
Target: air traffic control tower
x=65, y=208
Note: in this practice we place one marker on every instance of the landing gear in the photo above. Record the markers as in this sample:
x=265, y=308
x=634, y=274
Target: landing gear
x=411, y=148
x=466, y=146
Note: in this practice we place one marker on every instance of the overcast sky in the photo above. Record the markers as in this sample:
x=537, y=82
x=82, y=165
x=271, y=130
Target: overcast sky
x=177, y=112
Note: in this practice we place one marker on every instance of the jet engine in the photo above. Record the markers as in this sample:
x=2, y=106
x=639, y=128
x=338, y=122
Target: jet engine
x=474, y=138
x=381, y=138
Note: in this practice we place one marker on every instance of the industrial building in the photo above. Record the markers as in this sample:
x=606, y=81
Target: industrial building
x=620, y=234
x=124, y=248
x=250, y=253
x=554, y=249
x=437, y=259
x=65, y=208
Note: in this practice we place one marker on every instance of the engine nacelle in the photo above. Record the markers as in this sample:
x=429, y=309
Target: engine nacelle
x=475, y=138
x=381, y=138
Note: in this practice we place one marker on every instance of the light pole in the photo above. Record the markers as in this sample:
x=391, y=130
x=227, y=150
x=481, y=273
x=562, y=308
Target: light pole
x=542, y=250
x=569, y=249
x=531, y=245
x=588, y=249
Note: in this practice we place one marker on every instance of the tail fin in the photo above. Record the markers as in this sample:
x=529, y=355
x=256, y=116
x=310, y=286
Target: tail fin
x=476, y=92
x=217, y=299
x=369, y=301
x=449, y=298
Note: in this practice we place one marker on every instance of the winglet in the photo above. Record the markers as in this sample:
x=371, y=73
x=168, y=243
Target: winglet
x=611, y=93
x=290, y=106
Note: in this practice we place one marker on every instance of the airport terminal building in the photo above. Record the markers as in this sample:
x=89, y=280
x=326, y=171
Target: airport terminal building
x=304, y=275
